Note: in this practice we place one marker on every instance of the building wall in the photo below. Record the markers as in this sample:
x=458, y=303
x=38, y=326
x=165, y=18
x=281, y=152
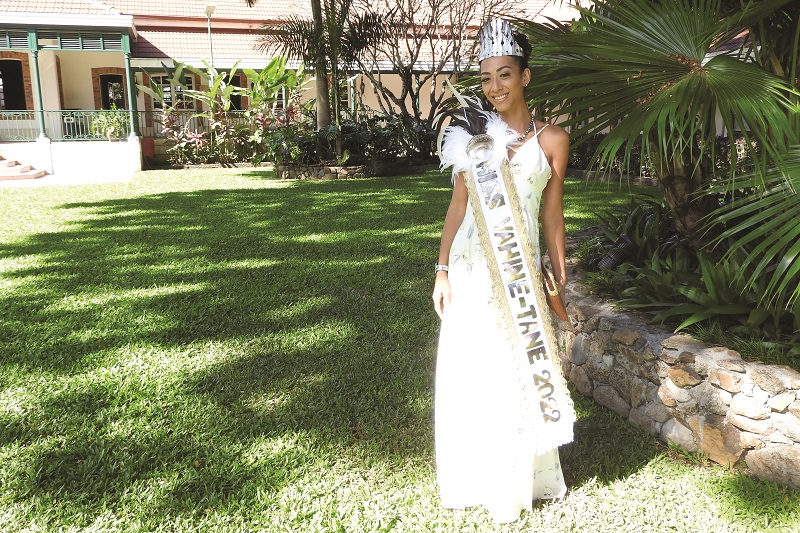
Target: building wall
x=368, y=98
x=48, y=76
x=76, y=74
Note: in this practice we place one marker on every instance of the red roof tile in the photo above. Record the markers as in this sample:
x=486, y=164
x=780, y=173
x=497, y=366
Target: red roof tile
x=235, y=25
x=194, y=44
x=265, y=10
x=82, y=7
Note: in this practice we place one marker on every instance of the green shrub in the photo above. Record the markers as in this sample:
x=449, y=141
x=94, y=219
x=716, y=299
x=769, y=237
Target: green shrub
x=113, y=124
x=636, y=232
x=378, y=142
x=580, y=157
x=650, y=268
x=293, y=143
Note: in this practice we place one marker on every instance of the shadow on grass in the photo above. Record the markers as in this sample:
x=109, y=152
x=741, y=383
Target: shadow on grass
x=304, y=304
x=184, y=264
x=278, y=330
x=606, y=447
x=258, y=173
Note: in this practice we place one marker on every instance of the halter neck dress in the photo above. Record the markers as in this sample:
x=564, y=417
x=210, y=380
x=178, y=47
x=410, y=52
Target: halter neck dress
x=480, y=457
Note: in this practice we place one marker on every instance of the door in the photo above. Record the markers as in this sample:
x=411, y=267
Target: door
x=112, y=94
x=12, y=86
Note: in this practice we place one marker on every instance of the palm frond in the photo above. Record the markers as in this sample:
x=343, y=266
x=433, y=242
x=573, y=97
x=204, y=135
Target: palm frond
x=765, y=224
x=294, y=38
x=656, y=68
x=365, y=31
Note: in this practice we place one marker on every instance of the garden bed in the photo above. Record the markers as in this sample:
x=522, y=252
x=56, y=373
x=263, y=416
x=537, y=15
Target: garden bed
x=320, y=172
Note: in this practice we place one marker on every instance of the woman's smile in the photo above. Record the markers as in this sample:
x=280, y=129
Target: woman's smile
x=503, y=83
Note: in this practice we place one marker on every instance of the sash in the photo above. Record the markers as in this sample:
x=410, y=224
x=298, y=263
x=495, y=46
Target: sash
x=518, y=289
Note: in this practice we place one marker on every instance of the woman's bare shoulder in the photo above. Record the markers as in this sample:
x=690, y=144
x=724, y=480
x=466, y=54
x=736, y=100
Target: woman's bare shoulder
x=554, y=134
x=554, y=140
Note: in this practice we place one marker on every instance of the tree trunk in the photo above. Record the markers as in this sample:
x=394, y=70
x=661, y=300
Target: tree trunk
x=337, y=139
x=679, y=179
x=321, y=70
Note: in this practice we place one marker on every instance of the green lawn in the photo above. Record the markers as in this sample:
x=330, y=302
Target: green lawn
x=218, y=351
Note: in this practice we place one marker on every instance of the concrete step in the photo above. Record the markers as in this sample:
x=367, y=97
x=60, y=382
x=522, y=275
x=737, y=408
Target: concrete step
x=13, y=170
x=16, y=169
x=20, y=172
x=27, y=175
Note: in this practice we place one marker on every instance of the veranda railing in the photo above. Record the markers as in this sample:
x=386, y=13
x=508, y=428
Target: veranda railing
x=87, y=125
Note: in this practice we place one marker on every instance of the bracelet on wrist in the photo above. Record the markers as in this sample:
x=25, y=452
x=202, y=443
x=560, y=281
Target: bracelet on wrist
x=440, y=268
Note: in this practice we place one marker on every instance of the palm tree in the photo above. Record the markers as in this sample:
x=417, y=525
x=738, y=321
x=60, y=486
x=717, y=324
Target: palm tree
x=304, y=39
x=330, y=42
x=664, y=73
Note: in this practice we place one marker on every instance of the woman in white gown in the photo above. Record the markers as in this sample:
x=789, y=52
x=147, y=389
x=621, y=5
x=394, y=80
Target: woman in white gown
x=482, y=456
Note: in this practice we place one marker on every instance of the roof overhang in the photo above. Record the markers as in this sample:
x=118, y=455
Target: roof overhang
x=68, y=20
x=152, y=64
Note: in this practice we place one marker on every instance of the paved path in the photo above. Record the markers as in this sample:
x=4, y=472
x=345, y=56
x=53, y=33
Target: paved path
x=64, y=180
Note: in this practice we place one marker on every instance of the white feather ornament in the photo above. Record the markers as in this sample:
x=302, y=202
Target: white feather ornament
x=454, y=149
x=455, y=139
x=503, y=136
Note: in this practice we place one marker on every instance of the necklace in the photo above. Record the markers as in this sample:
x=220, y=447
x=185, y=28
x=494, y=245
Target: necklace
x=530, y=127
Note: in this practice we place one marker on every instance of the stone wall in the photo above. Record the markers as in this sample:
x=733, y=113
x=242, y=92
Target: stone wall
x=319, y=172
x=699, y=397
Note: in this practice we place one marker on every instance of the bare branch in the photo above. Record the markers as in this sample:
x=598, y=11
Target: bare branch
x=426, y=41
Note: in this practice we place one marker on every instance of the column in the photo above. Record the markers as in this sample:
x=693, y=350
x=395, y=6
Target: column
x=33, y=47
x=131, y=83
x=131, y=96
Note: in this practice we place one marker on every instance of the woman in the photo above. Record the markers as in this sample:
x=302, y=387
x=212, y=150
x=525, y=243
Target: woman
x=488, y=451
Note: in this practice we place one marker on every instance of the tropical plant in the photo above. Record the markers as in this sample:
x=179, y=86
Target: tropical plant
x=719, y=290
x=638, y=231
x=112, y=123
x=220, y=89
x=174, y=78
x=263, y=111
x=273, y=80
x=660, y=274
x=225, y=140
x=765, y=225
x=663, y=71
x=295, y=143
x=330, y=42
x=225, y=137
x=188, y=147
x=774, y=42
x=305, y=39
x=379, y=142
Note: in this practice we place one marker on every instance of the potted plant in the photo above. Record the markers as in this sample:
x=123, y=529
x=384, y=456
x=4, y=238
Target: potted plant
x=112, y=123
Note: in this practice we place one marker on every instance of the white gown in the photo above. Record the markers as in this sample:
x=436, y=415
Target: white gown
x=480, y=457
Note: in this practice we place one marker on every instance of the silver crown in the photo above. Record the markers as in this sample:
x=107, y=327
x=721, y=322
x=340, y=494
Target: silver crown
x=497, y=39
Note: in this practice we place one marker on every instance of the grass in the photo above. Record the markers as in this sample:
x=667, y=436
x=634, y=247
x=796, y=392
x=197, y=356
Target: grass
x=749, y=347
x=218, y=351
